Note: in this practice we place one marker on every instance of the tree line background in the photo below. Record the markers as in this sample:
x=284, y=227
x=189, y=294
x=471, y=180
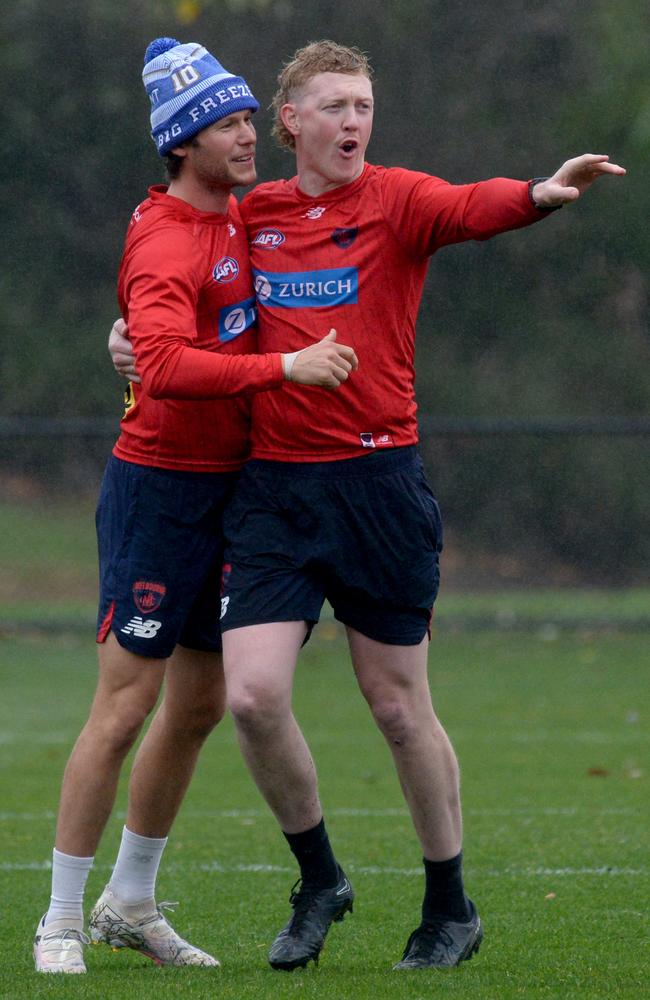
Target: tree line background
x=546, y=322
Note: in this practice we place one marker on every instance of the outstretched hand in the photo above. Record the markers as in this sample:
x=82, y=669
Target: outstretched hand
x=573, y=178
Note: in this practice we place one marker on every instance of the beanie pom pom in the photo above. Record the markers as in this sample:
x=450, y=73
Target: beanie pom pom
x=158, y=47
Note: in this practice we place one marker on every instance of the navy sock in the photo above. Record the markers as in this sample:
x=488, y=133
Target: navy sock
x=312, y=850
x=444, y=895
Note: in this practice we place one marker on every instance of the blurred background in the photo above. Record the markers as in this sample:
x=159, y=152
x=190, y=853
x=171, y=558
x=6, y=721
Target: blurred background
x=533, y=348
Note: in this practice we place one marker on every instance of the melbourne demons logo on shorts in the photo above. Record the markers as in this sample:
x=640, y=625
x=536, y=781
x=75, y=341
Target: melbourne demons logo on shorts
x=148, y=596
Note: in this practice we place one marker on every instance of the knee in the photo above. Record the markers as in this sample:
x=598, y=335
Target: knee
x=403, y=712
x=256, y=707
x=197, y=720
x=207, y=715
x=120, y=727
x=394, y=718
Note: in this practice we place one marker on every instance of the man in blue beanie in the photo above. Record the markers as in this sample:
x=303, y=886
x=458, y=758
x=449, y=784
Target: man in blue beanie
x=185, y=286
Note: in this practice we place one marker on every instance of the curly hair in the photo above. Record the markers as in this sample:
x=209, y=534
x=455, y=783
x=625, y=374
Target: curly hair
x=316, y=57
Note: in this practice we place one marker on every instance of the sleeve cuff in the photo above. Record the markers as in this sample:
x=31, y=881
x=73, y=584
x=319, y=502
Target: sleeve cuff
x=540, y=208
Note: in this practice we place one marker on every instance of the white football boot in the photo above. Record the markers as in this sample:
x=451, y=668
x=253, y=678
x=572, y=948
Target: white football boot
x=59, y=947
x=143, y=928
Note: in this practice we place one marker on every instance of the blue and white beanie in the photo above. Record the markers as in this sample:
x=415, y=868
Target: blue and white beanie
x=188, y=89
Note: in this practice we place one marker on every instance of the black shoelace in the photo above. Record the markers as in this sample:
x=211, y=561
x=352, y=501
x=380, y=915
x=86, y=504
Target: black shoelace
x=303, y=900
x=429, y=934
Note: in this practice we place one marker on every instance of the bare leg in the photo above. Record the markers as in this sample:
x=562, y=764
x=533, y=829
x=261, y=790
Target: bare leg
x=125, y=914
x=127, y=689
x=394, y=682
x=259, y=664
x=193, y=704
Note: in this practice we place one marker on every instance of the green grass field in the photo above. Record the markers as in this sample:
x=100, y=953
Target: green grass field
x=551, y=728
x=551, y=725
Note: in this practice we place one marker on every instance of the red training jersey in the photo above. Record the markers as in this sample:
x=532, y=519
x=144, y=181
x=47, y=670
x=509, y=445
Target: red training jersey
x=185, y=291
x=355, y=259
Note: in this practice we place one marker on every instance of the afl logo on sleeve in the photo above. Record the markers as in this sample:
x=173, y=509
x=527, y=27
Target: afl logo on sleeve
x=269, y=239
x=225, y=269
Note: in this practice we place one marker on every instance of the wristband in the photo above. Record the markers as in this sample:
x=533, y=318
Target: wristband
x=540, y=208
x=287, y=363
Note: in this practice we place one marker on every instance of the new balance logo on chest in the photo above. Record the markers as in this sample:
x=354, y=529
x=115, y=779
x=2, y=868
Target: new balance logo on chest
x=315, y=212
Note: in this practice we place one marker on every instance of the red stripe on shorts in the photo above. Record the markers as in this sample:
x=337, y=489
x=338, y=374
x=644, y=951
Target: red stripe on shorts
x=105, y=626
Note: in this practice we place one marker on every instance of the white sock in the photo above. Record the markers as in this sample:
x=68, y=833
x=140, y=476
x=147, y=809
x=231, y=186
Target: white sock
x=69, y=876
x=134, y=876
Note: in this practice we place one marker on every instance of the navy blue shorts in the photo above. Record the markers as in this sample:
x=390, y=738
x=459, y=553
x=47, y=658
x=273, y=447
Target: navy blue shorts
x=364, y=533
x=160, y=537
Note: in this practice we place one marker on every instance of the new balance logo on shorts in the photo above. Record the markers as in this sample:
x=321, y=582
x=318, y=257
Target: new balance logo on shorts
x=225, y=601
x=142, y=629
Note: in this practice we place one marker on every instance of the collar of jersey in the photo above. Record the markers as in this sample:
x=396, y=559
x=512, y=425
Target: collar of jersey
x=182, y=209
x=339, y=192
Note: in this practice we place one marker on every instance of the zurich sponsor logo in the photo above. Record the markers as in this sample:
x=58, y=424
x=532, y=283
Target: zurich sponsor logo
x=298, y=289
x=269, y=239
x=225, y=269
x=236, y=318
x=263, y=288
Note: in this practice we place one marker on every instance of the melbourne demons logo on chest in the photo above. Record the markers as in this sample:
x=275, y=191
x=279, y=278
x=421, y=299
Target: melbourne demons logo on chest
x=345, y=237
